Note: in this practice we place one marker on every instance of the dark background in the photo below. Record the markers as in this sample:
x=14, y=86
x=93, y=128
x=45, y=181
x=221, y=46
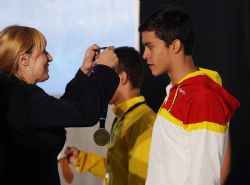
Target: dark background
x=223, y=44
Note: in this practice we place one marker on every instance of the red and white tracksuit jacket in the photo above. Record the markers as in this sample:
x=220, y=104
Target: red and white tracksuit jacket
x=191, y=131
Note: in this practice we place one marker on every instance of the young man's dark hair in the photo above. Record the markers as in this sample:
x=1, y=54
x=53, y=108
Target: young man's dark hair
x=130, y=61
x=170, y=23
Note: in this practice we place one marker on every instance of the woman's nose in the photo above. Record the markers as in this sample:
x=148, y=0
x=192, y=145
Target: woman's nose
x=50, y=58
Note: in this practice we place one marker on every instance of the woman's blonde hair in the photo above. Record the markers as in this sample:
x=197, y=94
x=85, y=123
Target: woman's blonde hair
x=15, y=40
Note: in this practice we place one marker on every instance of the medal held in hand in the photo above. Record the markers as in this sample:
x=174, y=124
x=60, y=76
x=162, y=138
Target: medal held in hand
x=102, y=136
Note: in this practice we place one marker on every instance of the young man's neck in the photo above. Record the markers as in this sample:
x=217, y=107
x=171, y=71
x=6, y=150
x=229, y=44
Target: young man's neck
x=126, y=95
x=181, y=68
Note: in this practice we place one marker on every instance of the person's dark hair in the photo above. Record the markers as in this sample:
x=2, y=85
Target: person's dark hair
x=130, y=61
x=170, y=23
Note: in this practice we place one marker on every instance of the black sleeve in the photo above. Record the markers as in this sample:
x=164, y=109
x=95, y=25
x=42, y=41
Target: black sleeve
x=74, y=92
x=80, y=106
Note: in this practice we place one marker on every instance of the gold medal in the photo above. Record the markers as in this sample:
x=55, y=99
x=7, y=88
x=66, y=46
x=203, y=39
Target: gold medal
x=101, y=137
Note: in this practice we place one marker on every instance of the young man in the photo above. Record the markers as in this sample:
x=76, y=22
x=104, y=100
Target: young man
x=128, y=149
x=191, y=128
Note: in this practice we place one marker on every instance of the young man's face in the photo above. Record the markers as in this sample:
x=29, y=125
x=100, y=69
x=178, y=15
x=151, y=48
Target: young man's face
x=156, y=53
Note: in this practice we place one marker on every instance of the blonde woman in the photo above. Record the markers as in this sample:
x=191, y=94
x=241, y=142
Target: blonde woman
x=34, y=122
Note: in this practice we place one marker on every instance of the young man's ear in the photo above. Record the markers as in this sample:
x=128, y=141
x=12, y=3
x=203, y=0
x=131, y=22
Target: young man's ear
x=23, y=59
x=176, y=46
x=123, y=77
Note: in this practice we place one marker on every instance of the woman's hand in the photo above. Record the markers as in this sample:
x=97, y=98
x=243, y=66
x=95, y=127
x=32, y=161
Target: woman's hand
x=93, y=57
x=89, y=59
x=108, y=57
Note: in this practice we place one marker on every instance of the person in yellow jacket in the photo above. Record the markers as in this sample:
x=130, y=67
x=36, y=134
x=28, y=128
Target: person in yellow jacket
x=128, y=150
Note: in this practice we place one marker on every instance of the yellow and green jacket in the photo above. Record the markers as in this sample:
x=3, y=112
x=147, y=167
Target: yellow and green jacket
x=128, y=150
